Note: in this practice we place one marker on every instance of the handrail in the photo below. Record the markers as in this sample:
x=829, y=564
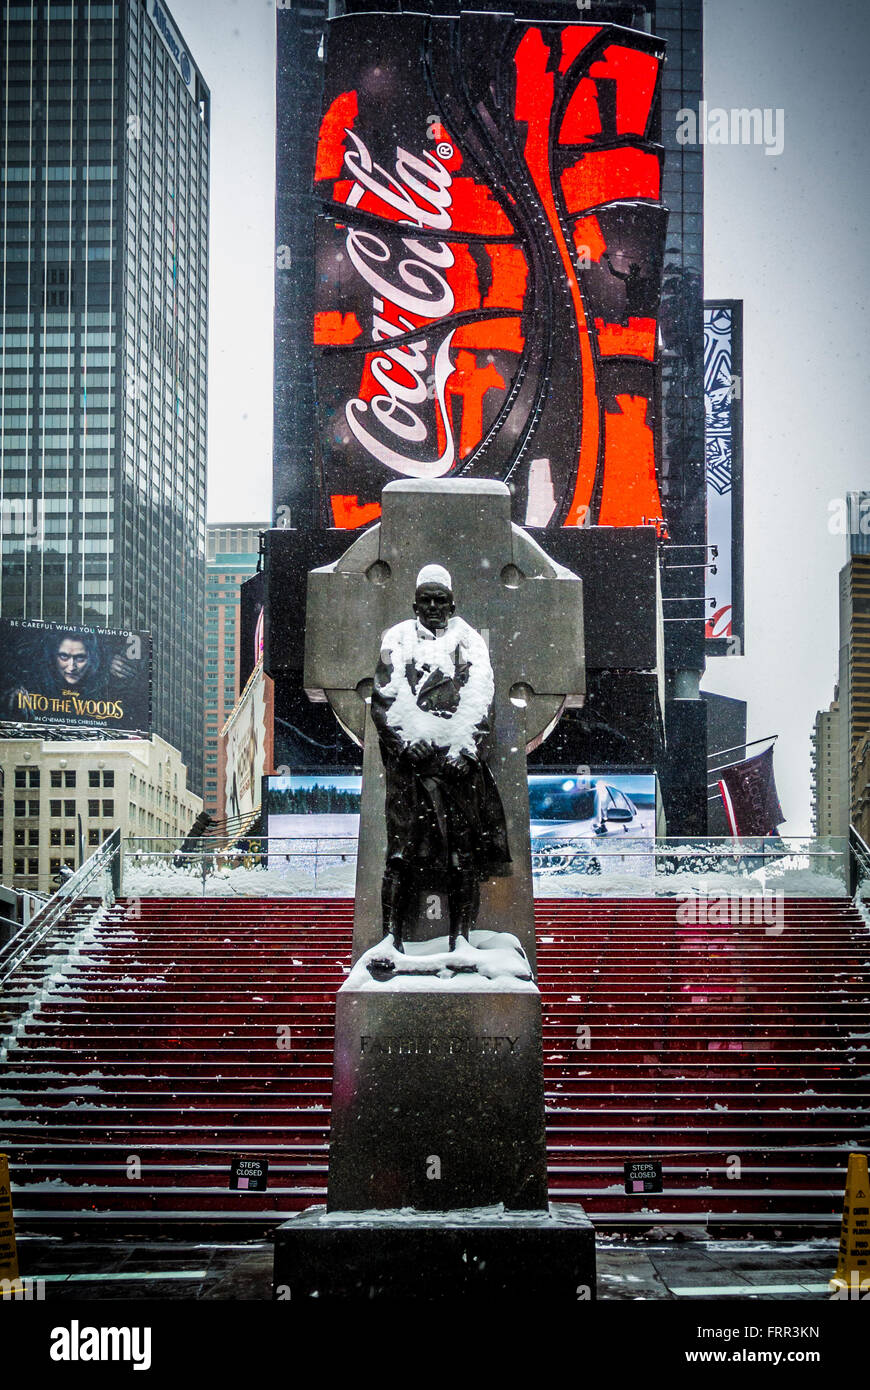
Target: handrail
x=859, y=861
x=107, y=857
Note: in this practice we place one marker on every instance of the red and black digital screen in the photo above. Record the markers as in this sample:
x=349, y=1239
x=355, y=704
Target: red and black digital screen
x=489, y=264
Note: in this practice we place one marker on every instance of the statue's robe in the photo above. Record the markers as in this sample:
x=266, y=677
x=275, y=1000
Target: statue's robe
x=438, y=687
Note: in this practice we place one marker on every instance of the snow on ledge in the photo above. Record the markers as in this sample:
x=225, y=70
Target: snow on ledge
x=460, y=1216
x=165, y=881
x=338, y=880
x=480, y=487
x=792, y=883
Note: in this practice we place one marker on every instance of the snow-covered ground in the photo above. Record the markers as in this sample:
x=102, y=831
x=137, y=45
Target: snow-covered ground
x=164, y=881
x=337, y=880
x=313, y=825
x=791, y=882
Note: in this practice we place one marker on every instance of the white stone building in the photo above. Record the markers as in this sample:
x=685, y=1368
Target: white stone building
x=56, y=790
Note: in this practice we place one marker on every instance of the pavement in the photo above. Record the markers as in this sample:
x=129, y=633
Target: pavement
x=681, y=1265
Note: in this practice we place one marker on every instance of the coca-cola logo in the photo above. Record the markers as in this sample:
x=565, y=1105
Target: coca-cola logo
x=404, y=291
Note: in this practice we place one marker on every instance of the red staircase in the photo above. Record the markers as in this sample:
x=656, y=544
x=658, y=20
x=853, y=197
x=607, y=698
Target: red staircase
x=145, y=1050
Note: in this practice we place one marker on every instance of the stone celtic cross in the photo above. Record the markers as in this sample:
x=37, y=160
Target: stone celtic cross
x=529, y=610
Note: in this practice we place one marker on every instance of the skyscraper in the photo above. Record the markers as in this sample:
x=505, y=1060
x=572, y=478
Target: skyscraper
x=854, y=666
x=232, y=553
x=104, y=244
x=825, y=770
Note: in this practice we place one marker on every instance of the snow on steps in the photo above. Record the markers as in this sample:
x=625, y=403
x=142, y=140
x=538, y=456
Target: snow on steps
x=183, y=1032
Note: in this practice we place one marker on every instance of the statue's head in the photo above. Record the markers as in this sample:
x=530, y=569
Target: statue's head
x=433, y=599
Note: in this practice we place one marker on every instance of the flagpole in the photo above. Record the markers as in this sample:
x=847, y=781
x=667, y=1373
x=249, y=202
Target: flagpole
x=722, y=751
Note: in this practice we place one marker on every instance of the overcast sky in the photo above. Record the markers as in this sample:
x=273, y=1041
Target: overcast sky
x=787, y=233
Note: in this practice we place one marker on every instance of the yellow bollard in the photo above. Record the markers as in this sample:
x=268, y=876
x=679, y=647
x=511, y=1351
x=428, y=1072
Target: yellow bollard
x=853, y=1263
x=10, y=1284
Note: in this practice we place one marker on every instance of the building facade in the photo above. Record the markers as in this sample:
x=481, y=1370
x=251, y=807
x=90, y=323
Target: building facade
x=231, y=557
x=62, y=798
x=854, y=658
x=104, y=245
x=861, y=789
x=825, y=770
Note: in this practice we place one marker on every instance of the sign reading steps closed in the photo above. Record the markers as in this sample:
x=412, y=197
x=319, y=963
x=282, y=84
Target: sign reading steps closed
x=643, y=1175
x=249, y=1174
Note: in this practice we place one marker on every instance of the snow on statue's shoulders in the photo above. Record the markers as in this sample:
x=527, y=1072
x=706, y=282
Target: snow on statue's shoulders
x=399, y=635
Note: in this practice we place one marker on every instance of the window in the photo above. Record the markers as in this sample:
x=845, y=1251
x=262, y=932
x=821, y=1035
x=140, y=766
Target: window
x=93, y=837
x=69, y=837
x=21, y=777
x=56, y=779
x=53, y=807
x=108, y=808
x=33, y=837
x=34, y=777
x=69, y=779
x=18, y=835
x=93, y=808
x=33, y=867
x=93, y=778
x=54, y=835
x=33, y=808
x=108, y=779
x=18, y=866
x=54, y=866
x=69, y=807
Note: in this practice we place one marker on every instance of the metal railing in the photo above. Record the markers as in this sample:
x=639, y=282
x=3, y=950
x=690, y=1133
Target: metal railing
x=859, y=866
x=671, y=857
x=304, y=862
x=309, y=856
x=101, y=872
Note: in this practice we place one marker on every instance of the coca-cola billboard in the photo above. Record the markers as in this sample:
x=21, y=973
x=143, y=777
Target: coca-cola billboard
x=489, y=261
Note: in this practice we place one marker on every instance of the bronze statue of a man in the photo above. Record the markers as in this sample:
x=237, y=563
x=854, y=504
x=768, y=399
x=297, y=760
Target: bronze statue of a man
x=432, y=705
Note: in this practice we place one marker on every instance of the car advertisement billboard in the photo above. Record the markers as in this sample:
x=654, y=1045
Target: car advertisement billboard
x=589, y=823
x=592, y=823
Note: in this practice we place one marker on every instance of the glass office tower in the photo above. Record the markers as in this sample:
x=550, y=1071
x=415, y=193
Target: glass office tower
x=232, y=555
x=104, y=246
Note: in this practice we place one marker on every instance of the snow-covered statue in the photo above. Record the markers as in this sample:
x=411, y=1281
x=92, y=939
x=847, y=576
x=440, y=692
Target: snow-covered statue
x=432, y=705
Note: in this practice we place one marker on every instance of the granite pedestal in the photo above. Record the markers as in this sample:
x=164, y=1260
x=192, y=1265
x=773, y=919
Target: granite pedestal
x=472, y=1255
x=437, y=1100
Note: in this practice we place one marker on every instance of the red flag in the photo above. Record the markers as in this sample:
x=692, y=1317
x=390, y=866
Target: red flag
x=749, y=792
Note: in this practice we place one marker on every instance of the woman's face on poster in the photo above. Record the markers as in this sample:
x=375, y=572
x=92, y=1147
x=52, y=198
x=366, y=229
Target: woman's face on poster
x=72, y=661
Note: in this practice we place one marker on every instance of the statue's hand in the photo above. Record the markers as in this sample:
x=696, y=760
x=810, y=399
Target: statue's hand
x=420, y=751
x=458, y=765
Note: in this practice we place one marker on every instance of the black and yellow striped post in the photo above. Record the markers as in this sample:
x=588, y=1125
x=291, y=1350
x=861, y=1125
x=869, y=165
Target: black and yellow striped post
x=853, y=1262
x=10, y=1284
